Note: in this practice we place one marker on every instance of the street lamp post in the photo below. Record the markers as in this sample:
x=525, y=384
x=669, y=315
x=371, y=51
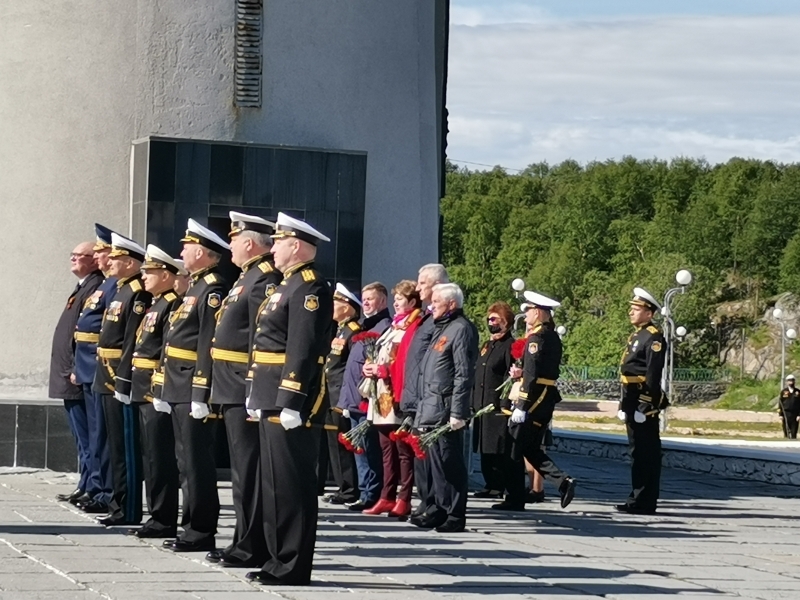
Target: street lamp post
x=787, y=335
x=683, y=278
x=518, y=285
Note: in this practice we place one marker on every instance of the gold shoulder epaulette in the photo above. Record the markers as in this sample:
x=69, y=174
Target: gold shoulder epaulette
x=265, y=267
x=308, y=275
x=170, y=296
x=354, y=326
x=136, y=285
x=653, y=329
x=210, y=278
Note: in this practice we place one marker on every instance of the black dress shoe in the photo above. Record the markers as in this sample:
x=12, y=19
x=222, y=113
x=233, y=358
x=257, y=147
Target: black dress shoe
x=359, y=505
x=567, y=491
x=93, y=507
x=533, y=497
x=82, y=499
x=265, y=578
x=73, y=495
x=635, y=510
x=201, y=546
x=237, y=563
x=451, y=526
x=493, y=494
x=428, y=521
x=168, y=543
x=338, y=499
x=148, y=533
x=110, y=521
x=215, y=556
x=510, y=506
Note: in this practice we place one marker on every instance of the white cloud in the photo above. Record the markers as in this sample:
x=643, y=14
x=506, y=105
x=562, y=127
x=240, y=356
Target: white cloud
x=497, y=13
x=695, y=86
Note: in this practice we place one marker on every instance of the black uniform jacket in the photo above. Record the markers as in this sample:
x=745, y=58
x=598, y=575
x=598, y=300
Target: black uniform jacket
x=790, y=400
x=236, y=319
x=337, y=358
x=491, y=370
x=118, y=334
x=290, y=344
x=641, y=368
x=149, y=347
x=541, y=366
x=186, y=366
x=62, y=355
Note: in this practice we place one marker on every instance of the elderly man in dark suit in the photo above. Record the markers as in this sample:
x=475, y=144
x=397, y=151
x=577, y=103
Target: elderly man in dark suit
x=62, y=385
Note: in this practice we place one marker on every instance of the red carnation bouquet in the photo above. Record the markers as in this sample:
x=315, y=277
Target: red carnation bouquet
x=402, y=432
x=422, y=442
x=368, y=388
x=517, y=352
x=353, y=440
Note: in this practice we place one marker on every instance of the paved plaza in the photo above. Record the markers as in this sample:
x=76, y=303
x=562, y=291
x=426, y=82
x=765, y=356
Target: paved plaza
x=715, y=538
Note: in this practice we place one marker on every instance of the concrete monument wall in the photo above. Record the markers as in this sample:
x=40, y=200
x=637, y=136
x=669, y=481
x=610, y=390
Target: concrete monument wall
x=81, y=80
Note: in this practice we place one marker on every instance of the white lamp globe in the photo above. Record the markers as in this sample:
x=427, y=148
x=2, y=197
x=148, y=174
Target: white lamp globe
x=791, y=334
x=777, y=313
x=518, y=285
x=683, y=277
x=681, y=331
x=561, y=330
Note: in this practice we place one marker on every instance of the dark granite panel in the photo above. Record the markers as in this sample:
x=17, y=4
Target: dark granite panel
x=352, y=183
x=325, y=222
x=8, y=425
x=227, y=174
x=31, y=435
x=258, y=178
x=333, y=164
x=161, y=184
x=192, y=172
x=308, y=173
x=161, y=229
x=287, y=189
x=349, y=246
x=62, y=454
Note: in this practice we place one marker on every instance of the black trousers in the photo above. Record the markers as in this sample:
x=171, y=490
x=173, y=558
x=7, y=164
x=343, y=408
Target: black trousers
x=423, y=480
x=289, y=492
x=790, y=424
x=492, y=469
x=644, y=442
x=122, y=429
x=529, y=444
x=160, y=469
x=342, y=461
x=199, y=473
x=248, y=542
x=448, y=472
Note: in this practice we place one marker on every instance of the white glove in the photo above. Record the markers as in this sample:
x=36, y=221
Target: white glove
x=345, y=413
x=247, y=404
x=622, y=416
x=456, y=424
x=199, y=410
x=639, y=417
x=124, y=398
x=518, y=416
x=253, y=413
x=161, y=406
x=290, y=419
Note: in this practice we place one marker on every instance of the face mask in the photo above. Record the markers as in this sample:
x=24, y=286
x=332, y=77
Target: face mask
x=494, y=328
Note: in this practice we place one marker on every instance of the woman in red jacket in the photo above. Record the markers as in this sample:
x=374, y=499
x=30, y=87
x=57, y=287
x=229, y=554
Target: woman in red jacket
x=398, y=457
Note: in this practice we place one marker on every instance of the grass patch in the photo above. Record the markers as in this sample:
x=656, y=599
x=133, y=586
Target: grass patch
x=714, y=425
x=750, y=394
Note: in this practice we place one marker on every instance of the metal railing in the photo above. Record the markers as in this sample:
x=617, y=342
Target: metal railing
x=569, y=373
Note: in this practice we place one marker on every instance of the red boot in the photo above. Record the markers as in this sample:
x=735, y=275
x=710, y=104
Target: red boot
x=401, y=509
x=381, y=506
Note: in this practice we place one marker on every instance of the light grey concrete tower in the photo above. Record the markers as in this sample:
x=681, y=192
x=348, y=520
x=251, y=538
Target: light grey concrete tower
x=80, y=82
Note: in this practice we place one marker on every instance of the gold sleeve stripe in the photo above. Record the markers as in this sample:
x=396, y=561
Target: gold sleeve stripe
x=291, y=385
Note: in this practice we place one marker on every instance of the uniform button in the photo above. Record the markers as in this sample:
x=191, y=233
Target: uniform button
x=253, y=366
x=199, y=372
x=258, y=329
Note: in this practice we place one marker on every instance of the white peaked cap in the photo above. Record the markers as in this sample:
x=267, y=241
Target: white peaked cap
x=199, y=234
x=790, y=376
x=122, y=246
x=535, y=299
x=346, y=296
x=180, y=264
x=641, y=297
x=156, y=258
x=241, y=222
x=287, y=226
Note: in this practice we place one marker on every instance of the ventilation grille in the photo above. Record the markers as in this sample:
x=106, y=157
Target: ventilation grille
x=248, y=52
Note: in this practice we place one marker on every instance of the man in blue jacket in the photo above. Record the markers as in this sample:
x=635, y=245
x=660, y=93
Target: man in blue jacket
x=87, y=333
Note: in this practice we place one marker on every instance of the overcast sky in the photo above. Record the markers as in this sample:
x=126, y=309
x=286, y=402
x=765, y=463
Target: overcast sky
x=547, y=80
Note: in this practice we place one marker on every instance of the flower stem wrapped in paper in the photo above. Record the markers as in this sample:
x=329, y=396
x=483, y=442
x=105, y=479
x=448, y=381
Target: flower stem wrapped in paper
x=422, y=442
x=368, y=388
x=353, y=440
x=517, y=352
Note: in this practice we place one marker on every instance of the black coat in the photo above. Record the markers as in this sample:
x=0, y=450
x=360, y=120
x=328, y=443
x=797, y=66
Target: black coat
x=62, y=355
x=491, y=370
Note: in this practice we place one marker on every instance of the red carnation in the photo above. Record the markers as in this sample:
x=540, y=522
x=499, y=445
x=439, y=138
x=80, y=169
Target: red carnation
x=518, y=349
x=365, y=336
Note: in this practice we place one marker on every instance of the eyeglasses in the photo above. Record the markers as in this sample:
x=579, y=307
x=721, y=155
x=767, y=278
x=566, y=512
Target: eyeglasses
x=76, y=256
x=493, y=319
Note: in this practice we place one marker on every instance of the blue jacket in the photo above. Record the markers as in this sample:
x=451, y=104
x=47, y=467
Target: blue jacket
x=349, y=398
x=87, y=331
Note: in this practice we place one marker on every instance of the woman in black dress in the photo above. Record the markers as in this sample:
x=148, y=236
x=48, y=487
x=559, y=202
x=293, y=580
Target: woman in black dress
x=490, y=432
